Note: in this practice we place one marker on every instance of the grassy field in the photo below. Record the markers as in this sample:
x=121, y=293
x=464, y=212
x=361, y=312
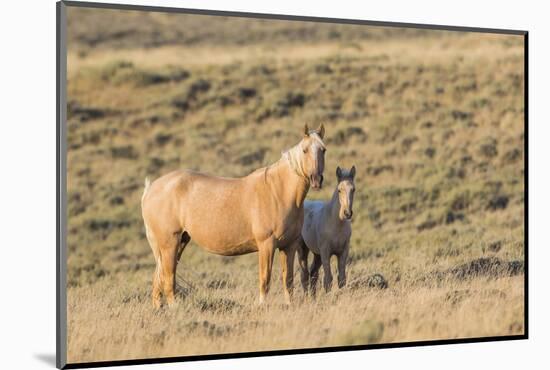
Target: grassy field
x=432, y=120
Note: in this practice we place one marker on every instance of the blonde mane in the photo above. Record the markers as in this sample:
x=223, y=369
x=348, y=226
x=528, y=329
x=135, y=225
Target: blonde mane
x=294, y=155
x=294, y=158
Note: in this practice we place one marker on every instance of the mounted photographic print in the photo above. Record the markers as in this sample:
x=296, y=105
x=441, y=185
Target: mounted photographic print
x=235, y=184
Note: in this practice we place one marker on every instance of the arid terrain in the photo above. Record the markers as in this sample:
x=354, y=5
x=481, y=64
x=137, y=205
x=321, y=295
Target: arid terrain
x=432, y=120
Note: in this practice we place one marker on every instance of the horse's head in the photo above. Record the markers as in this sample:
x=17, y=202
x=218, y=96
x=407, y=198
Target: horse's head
x=346, y=189
x=313, y=156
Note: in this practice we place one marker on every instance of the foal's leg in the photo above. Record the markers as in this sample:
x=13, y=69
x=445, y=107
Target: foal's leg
x=303, y=253
x=314, y=273
x=265, y=255
x=287, y=267
x=342, y=259
x=325, y=259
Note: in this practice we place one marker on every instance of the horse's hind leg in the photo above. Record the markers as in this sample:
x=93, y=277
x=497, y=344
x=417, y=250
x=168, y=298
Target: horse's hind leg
x=303, y=253
x=157, y=289
x=169, y=248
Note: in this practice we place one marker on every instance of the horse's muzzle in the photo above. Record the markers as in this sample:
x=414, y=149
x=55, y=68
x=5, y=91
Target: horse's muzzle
x=316, y=181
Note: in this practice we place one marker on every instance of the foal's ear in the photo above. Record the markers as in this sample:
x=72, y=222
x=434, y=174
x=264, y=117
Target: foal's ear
x=321, y=130
x=352, y=171
x=338, y=173
x=306, y=130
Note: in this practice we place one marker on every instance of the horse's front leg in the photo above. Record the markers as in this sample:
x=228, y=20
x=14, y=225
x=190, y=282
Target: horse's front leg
x=342, y=259
x=287, y=267
x=265, y=255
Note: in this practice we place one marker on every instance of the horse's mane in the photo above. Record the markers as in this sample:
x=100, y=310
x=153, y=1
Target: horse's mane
x=294, y=155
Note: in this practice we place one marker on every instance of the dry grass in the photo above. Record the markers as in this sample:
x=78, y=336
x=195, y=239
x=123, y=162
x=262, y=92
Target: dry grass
x=228, y=320
x=432, y=120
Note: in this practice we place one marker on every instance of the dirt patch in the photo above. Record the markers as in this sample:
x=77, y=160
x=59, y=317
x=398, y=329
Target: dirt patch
x=284, y=106
x=343, y=136
x=197, y=87
x=498, y=202
x=375, y=281
x=217, y=305
x=457, y=296
x=489, y=148
x=426, y=225
x=219, y=284
x=124, y=152
x=460, y=115
x=107, y=225
x=495, y=246
x=377, y=170
x=512, y=156
x=76, y=111
x=207, y=328
x=247, y=92
x=485, y=266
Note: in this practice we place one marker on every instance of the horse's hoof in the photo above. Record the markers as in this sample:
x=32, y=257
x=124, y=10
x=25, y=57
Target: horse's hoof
x=171, y=302
x=262, y=302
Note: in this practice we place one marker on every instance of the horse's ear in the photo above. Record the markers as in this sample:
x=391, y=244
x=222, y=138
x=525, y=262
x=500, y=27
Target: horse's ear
x=306, y=130
x=321, y=130
x=338, y=173
x=352, y=171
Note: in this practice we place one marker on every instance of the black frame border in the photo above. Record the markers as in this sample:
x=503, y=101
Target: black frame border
x=61, y=216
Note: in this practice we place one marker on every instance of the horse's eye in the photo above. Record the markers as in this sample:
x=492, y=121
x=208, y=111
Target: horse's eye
x=305, y=150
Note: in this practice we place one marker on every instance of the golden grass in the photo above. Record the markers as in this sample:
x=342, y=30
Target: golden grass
x=229, y=320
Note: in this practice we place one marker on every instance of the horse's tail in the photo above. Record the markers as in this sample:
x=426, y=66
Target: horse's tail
x=152, y=242
x=147, y=185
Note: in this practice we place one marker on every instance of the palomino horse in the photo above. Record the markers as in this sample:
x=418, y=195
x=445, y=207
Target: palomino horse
x=260, y=212
x=327, y=231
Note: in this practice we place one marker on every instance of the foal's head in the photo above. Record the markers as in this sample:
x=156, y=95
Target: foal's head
x=346, y=190
x=312, y=156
